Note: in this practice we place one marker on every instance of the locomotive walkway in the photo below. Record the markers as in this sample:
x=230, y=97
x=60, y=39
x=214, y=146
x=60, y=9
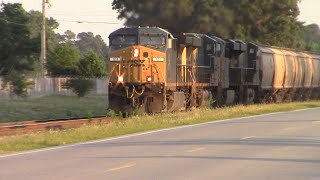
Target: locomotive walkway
x=273, y=146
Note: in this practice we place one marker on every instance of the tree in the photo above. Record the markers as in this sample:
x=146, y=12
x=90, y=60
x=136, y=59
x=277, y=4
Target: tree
x=92, y=65
x=203, y=16
x=87, y=41
x=312, y=38
x=68, y=37
x=17, y=46
x=81, y=87
x=34, y=25
x=63, y=61
x=66, y=60
x=268, y=22
x=18, y=82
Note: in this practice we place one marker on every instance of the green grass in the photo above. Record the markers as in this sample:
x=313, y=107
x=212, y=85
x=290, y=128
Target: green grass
x=119, y=126
x=51, y=107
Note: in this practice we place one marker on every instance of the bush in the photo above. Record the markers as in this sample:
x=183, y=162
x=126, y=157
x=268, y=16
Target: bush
x=18, y=83
x=81, y=87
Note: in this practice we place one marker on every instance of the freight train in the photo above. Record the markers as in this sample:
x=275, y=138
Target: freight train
x=153, y=70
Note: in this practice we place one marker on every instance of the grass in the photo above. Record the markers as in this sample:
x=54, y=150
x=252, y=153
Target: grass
x=119, y=126
x=51, y=107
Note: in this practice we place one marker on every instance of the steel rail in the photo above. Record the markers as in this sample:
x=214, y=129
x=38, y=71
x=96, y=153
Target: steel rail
x=38, y=126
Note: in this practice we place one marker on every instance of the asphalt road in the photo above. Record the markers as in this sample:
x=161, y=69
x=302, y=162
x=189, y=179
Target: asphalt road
x=275, y=146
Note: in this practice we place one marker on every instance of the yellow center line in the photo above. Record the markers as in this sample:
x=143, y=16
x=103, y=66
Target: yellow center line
x=195, y=150
x=122, y=167
x=290, y=128
x=248, y=137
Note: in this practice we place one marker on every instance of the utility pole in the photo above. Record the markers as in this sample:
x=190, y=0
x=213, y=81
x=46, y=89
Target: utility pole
x=43, y=40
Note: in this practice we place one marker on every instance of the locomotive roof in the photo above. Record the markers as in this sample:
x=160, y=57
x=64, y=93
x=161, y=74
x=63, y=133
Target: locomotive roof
x=204, y=36
x=140, y=31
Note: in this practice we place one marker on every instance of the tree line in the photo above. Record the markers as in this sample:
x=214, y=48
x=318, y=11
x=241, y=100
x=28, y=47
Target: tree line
x=80, y=56
x=268, y=22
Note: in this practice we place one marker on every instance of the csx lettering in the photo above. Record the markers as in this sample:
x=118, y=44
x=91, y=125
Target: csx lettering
x=136, y=63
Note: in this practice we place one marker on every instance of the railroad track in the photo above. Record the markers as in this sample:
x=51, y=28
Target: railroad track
x=36, y=126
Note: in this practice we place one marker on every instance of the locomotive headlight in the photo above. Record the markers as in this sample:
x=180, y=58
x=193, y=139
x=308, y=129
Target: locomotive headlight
x=120, y=79
x=136, y=52
x=149, y=78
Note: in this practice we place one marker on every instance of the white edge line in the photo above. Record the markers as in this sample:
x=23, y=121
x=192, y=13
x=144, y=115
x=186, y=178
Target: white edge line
x=145, y=133
x=248, y=137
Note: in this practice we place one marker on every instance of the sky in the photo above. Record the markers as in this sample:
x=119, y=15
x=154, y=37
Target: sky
x=103, y=20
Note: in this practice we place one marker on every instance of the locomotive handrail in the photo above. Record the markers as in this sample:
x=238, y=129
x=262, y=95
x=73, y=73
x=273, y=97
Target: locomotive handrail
x=139, y=94
x=186, y=65
x=207, y=67
x=127, y=91
x=134, y=91
x=112, y=71
x=192, y=76
x=158, y=70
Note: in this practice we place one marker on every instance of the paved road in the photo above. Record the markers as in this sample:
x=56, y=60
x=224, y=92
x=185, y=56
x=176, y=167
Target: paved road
x=275, y=146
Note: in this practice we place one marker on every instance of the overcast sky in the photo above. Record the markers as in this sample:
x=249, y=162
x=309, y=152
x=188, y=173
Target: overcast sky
x=103, y=20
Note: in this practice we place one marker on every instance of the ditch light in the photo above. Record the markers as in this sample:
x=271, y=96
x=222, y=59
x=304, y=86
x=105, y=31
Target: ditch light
x=120, y=79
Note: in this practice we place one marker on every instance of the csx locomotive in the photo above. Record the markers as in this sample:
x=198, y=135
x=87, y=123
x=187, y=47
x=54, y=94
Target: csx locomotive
x=153, y=70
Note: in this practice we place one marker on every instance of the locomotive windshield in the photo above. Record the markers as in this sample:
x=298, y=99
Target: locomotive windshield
x=122, y=40
x=156, y=41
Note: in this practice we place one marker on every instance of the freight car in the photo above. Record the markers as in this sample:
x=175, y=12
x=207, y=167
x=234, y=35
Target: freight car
x=153, y=70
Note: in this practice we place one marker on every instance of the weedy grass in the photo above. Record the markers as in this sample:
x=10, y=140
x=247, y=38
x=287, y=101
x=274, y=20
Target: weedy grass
x=119, y=126
x=51, y=107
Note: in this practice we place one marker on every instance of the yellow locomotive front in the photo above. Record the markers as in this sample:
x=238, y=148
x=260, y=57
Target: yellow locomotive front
x=137, y=69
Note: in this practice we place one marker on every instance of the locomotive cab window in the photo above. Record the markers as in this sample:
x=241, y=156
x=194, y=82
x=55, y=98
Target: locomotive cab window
x=119, y=41
x=218, y=50
x=210, y=49
x=153, y=40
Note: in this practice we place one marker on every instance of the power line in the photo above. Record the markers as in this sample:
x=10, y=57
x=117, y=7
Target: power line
x=62, y=20
x=7, y=21
x=84, y=11
x=93, y=15
x=76, y=12
x=88, y=22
